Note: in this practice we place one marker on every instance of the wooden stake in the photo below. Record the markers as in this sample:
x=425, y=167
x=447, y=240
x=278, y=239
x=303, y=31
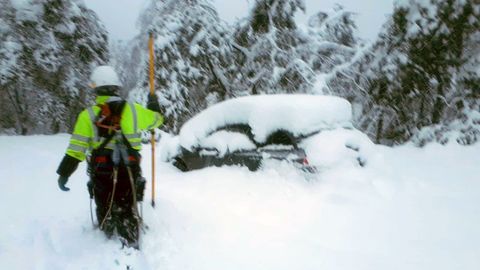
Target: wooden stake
x=152, y=92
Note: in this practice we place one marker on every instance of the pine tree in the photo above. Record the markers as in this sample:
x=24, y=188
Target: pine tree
x=46, y=51
x=337, y=27
x=414, y=75
x=333, y=44
x=192, y=52
x=266, y=44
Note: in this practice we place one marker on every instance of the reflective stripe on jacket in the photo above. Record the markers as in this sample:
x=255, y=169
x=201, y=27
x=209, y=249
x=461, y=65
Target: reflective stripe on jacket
x=134, y=119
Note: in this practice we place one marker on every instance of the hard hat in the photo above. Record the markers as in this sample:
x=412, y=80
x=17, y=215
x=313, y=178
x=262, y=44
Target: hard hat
x=103, y=76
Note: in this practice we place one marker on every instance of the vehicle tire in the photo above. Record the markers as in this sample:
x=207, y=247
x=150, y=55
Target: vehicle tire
x=180, y=164
x=253, y=165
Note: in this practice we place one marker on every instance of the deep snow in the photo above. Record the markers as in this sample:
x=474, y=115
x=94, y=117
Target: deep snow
x=409, y=208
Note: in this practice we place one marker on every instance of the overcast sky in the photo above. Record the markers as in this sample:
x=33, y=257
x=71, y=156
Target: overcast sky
x=120, y=16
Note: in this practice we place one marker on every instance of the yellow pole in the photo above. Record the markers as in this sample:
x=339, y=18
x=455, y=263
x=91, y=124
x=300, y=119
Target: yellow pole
x=152, y=92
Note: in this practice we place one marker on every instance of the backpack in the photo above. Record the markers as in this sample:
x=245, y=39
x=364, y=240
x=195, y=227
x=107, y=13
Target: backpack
x=108, y=120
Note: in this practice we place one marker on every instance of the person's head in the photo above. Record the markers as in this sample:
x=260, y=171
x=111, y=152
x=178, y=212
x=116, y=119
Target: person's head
x=105, y=81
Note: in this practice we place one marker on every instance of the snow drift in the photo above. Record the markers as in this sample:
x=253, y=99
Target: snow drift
x=410, y=208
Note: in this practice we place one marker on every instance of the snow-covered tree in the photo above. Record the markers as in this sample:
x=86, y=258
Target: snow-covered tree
x=47, y=48
x=200, y=60
x=268, y=59
x=333, y=44
x=337, y=27
x=420, y=72
x=191, y=56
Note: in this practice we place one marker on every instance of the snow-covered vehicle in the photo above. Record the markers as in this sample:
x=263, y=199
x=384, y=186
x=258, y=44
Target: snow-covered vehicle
x=250, y=130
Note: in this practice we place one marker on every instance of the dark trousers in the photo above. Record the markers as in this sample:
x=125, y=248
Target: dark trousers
x=118, y=212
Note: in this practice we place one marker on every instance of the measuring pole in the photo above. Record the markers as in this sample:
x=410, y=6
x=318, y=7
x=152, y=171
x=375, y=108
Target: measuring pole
x=152, y=92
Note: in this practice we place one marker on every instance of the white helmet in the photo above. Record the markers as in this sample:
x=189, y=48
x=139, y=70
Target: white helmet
x=104, y=75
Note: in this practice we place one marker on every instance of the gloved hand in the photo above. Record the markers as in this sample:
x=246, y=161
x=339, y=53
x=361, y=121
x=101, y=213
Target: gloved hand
x=62, y=180
x=152, y=103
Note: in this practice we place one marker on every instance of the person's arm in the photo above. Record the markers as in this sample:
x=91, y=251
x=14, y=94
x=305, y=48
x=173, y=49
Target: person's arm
x=65, y=169
x=80, y=142
x=149, y=119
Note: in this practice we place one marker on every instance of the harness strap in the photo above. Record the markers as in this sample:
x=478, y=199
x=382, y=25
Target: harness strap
x=134, y=116
x=105, y=142
x=93, y=117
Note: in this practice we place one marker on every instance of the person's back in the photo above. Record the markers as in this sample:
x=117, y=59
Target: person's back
x=110, y=132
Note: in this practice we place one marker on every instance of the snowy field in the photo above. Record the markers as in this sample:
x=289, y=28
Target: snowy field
x=409, y=208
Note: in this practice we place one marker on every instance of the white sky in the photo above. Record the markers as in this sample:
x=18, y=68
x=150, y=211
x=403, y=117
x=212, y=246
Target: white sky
x=120, y=16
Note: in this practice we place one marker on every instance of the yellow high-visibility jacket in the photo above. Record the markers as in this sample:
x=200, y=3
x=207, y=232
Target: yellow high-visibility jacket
x=134, y=119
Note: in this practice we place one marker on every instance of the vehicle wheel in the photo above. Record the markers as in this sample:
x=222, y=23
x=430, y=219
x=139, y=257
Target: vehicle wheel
x=253, y=165
x=180, y=164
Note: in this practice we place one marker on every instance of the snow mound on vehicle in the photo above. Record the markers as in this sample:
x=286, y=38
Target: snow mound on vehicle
x=340, y=147
x=225, y=141
x=299, y=114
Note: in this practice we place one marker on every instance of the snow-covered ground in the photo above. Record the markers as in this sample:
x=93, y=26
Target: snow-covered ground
x=409, y=208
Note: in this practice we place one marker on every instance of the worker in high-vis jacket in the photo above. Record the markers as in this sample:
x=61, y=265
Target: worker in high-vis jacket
x=108, y=135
